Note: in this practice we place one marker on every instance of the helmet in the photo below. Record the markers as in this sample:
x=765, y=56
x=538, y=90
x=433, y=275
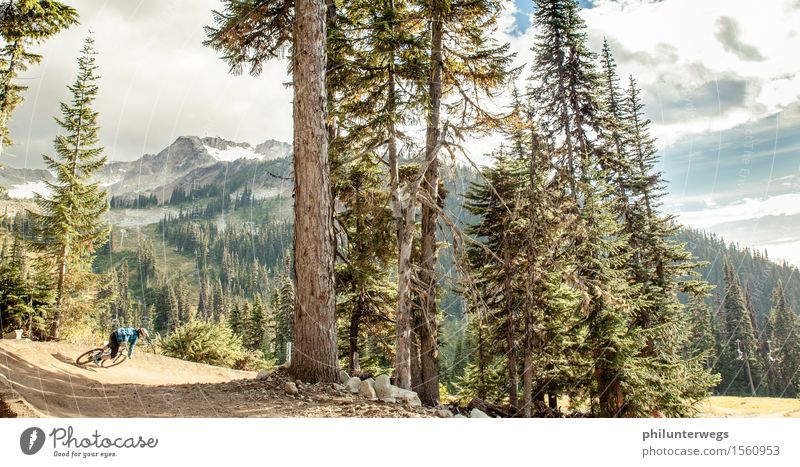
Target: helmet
x=143, y=332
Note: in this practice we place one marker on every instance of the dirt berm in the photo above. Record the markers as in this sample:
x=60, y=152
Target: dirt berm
x=41, y=379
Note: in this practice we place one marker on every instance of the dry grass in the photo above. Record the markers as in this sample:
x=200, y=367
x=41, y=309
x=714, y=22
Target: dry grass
x=726, y=406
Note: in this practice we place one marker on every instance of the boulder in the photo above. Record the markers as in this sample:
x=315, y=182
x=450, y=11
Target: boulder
x=353, y=384
x=409, y=397
x=290, y=388
x=478, y=414
x=343, y=377
x=383, y=388
x=444, y=413
x=15, y=334
x=365, y=389
x=388, y=400
x=263, y=374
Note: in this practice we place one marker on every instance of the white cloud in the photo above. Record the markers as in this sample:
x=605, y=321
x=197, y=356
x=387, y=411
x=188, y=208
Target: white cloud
x=157, y=82
x=703, y=53
x=747, y=209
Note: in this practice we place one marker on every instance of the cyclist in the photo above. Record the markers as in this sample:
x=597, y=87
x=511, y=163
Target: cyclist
x=129, y=335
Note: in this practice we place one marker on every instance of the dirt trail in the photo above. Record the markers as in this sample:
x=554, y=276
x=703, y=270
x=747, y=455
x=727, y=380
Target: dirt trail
x=41, y=379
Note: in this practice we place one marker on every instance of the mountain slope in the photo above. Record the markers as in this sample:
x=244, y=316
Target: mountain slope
x=188, y=161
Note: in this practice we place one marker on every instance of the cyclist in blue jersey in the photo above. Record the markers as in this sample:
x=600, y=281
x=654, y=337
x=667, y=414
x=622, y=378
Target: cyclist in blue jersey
x=129, y=335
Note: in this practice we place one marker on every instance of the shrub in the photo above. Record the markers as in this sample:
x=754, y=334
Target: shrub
x=204, y=342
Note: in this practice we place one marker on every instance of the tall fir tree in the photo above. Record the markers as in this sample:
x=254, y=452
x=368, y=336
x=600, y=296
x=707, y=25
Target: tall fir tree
x=70, y=222
x=784, y=347
x=740, y=363
x=25, y=24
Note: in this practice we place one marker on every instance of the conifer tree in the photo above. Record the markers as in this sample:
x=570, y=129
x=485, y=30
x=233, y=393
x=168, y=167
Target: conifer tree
x=70, y=223
x=659, y=266
x=363, y=283
x=256, y=331
x=500, y=204
x=784, y=347
x=565, y=90
x=741, y=368
x=23, y=25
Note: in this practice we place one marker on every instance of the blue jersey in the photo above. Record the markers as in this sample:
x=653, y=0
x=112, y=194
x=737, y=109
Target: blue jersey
x=129, y=335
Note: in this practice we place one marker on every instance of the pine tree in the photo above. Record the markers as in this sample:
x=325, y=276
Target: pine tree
x=784, y=347
x=366, y=292
x=565, y=90
x=70, y=224
x=282, y=309
x=741, y=368
x=657, y=264
x=23, y=25
x=500, y=203
x=256, y=331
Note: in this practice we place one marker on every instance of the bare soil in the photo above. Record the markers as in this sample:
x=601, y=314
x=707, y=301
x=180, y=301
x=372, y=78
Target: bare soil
x=41, y=379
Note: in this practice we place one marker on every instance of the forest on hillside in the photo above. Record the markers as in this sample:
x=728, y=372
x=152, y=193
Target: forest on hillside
x=549, y=282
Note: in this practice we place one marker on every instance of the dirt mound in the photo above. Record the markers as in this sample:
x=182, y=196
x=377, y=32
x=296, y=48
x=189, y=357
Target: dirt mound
x=41, y=379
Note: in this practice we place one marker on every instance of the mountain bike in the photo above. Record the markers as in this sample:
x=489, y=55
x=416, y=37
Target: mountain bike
x=89, y=356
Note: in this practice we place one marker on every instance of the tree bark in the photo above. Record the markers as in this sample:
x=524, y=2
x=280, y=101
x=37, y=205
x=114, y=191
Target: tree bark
x=510, y=330
x=405, y=237
x=429, y=346
x=314, y=353
x=355, y=321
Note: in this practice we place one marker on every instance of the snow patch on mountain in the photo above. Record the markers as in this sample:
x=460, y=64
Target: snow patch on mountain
x=27, y=189
x=232, y=153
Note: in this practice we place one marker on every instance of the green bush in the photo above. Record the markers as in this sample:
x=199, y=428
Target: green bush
x=203, y=342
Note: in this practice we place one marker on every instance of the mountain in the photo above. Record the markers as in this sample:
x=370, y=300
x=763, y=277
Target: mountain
x=189, y=161
x=22, y=183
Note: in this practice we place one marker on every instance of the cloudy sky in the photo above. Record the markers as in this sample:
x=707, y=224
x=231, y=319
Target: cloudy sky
x=720, y=80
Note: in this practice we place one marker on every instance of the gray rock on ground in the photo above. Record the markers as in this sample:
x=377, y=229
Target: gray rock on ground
x=366, y=390
x=343, y=377
x=383, y=388
x=478, y=414
x=444, y=413
x=409, y=397
x=290, y=388
x=353, y=383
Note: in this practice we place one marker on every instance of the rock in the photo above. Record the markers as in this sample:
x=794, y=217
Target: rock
x=458, y=415
x=409, y=397
x=365, y=389
x=353, y=383
x=290, y=388
x=298, y=383
x=478, y=414
x=339, y=387
x=263, y=374
x=383, y=388
x=15, y=334
x=343, y=377
x=444, y=413
x=388, y=400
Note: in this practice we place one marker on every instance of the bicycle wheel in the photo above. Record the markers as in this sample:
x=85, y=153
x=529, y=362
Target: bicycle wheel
x=87, y=357
x=121, y=357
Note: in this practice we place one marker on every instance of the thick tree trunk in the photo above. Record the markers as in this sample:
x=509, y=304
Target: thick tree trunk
x=314, y=353
x=429, y=346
